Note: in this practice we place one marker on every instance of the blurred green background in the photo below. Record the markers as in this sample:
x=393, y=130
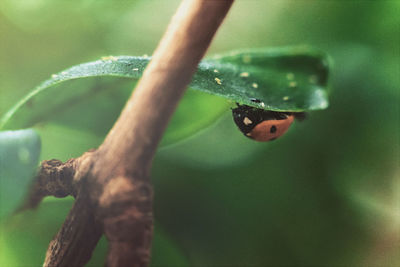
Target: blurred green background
x=327, y=193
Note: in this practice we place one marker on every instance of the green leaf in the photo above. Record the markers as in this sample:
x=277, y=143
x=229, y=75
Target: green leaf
x=19, y=154
x=286, y=79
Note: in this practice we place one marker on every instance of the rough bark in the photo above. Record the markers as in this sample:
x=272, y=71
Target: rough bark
x=112, y=184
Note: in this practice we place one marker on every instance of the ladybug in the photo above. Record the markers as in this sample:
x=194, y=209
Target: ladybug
x=263, y=125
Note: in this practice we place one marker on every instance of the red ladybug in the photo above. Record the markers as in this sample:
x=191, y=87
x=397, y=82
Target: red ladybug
x=263, y=125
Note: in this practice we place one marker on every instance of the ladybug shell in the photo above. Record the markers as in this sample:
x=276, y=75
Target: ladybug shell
x=269, y=130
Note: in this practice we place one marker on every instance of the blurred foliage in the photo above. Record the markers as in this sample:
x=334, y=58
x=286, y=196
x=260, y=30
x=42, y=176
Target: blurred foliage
x=327, y=193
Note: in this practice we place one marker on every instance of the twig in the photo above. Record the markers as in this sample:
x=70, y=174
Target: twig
x=112, y=184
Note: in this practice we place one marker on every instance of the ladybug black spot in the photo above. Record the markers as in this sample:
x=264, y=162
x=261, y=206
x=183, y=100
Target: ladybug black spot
x=273, y=129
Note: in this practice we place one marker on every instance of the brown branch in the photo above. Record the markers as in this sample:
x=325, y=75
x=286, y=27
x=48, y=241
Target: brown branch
x=74, y=243
x=112, y=184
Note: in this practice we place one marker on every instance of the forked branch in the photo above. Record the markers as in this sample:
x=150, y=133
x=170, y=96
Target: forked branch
x=112, y=184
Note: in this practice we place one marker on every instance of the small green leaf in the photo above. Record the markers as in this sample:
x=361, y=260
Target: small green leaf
x=19, y=154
